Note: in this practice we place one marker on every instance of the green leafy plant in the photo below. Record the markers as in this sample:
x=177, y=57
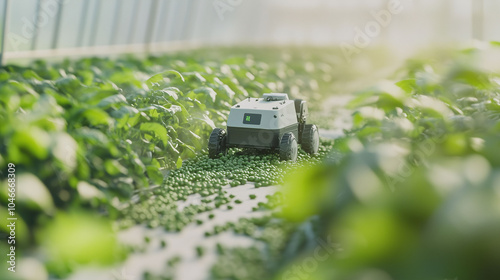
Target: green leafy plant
x=412, y=193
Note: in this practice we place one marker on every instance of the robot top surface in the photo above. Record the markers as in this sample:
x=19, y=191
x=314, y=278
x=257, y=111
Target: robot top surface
x=269, y=101
x=272, y=111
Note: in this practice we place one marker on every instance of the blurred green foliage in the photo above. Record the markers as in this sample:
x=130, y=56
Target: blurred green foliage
x=414, y=189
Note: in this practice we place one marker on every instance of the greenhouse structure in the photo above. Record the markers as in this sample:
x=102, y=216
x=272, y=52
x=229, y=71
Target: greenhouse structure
x=249, y=140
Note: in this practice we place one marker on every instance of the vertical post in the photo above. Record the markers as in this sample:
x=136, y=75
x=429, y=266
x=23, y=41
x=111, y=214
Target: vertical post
x=4, y=30
x=444, y=21
x=477, y=19
x=193, y=17
x=204, y=18
x=34, y=40
x=150, y=28
x=116, y=20
x=185, y=19
x=133, y=21
x=158, y=24
x=57, y=27
x=95, y=22
x=169, y=19
x=83, y=23
x=188, y=20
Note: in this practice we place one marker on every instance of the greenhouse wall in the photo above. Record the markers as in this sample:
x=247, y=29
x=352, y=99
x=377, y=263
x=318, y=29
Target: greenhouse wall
x=38, y=28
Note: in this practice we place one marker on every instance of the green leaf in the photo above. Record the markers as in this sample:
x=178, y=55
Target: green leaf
x=112, y=100
x=154, y=174
x=138, y=165
x=159, y=131
x=205, y=119
x=432, y=106
x=495, y=44
x=125, y=115
x=93, y=96
x=179, y=163
x=408, y=85
x=158, y=80
x=65, y=151
x=61, y=99
x=207, y=93
x=182, y=114
x=113, y=167
x=20, y=88
x=91, y=136
x=4, y=75
x=88, y=192
x=69, y=85
x=33, y=193
x=28, y=143
x=190, y=137
x=172, y=92
x=125, y=77
x=172, y=149
x=87, y=76
x=187, y=150
x=30, y=74
x=97, y=242
x=97, y=117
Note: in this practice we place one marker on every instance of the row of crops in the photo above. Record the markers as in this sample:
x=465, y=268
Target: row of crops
x=87, y=136
x=410, y=192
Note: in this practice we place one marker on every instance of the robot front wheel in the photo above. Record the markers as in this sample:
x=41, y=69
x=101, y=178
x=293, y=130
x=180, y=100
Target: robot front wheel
x=217, y=143
x=288, y=147
x=310, y=143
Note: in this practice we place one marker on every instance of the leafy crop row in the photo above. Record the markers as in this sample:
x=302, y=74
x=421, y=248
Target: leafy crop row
x=86, y=135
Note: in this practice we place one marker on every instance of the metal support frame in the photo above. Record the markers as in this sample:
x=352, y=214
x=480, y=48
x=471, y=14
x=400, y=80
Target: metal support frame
x=34, y=40
x=150, y=28
x=169, y=14
x=116, y=21
x=185, y=19
x=95, y=22
x=162, y=22
x=57, y=26
x=83, y=23
x=133, y=22
x=202, y=17
x=192, y=19
x=478, y=19
x=4, y=30
x=160, y=34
